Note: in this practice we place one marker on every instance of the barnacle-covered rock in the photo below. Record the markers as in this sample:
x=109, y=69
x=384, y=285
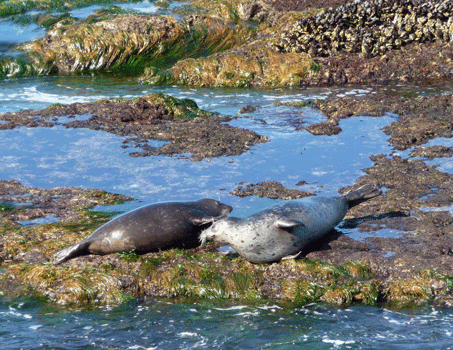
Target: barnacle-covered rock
x=372, y=27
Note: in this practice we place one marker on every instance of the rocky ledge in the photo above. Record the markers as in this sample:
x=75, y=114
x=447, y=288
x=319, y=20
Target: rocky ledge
x=180, y=122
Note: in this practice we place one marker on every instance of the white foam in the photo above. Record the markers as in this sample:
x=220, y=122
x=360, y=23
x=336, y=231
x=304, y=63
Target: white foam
x=188, y=334
x=236, y=307
x=337, y=343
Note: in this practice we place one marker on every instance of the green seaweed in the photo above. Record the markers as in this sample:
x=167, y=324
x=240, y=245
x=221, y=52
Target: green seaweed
x=14, y=7
x=307, y=103
x=6, y=206
x=129, y=256
x=19, y=66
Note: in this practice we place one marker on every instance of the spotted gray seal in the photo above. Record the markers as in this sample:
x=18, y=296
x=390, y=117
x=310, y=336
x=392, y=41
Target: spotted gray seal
x=150, y=228
x=286, y=228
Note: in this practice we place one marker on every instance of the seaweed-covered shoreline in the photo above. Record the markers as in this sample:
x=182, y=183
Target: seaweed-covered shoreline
x=250, y=44
x=226, y=43
x=412, y=268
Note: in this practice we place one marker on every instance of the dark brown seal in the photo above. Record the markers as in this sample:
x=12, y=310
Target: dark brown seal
x=150, y=228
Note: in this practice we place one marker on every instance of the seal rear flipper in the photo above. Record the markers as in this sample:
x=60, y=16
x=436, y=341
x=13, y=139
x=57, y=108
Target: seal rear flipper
x=70, y=252
x=288, y=223
x=362, y=194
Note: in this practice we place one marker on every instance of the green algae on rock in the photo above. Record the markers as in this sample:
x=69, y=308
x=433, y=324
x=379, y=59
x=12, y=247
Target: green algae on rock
x=18, y=67
x=131, y=43
x=113, y=280
x=245, y=66
x=187, y=128
x=13, y=7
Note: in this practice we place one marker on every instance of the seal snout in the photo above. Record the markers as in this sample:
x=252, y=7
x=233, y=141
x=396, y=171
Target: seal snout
x=227, y=209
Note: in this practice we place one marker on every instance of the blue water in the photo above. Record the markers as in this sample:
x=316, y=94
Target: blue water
x=50, y=157
x=162, y=324
x=59, y=156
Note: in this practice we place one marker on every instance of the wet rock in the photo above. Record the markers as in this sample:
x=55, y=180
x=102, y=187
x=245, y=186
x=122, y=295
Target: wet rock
x=432, y=152
x=324, y=128
x=153, y=117
x=28, y=203
x=411, y=184
x=419, y=119
x=35, y=257
x=247, y=109
x=269, y=189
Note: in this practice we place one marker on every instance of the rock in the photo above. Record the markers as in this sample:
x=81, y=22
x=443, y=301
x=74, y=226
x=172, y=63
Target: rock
x=372, y=24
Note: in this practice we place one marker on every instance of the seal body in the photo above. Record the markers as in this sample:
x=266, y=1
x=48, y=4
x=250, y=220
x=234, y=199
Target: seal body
x=284, y=229
x=150, y=228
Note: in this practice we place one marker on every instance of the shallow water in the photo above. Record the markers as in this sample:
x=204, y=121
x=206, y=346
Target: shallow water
x=44, y=157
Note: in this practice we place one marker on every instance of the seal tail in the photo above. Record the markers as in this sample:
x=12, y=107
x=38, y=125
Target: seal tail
x=362, y=194
x=70, y=252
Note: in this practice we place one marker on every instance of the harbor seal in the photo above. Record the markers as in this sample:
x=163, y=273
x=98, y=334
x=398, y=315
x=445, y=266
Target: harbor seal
x=150, y=228
x=284, y=229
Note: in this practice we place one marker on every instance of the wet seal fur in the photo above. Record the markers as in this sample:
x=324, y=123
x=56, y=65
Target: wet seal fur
x=150, y=228
x=284, y=229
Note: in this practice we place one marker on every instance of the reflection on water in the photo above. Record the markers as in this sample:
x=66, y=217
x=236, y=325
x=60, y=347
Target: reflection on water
x=39, y=221
x=51, y=157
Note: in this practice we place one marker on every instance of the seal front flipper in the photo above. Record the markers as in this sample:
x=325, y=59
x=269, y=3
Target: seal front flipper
x=70, y=252
x=288, y=223
x=289, y=257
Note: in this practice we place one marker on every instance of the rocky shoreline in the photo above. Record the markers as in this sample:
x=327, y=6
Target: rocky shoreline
x=250, y=44
x=260, y=44
x=414, y=268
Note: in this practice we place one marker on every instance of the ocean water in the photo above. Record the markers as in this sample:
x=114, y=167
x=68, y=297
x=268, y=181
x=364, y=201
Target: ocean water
x=51, y=157
x=163, y=324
